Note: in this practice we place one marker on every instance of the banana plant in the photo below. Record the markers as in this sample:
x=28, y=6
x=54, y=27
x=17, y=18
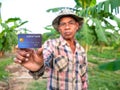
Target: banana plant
x=98, y=15
x=50, y=34
x=8, y=34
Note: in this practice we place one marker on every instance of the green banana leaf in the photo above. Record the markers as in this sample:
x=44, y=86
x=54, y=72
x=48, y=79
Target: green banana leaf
x=111, y=66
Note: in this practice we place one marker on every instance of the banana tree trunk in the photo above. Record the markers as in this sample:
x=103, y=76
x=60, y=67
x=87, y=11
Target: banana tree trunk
x=1, y=53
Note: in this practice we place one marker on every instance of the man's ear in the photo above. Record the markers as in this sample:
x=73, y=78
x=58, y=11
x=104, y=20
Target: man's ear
x=58, y=29
x=78, y=26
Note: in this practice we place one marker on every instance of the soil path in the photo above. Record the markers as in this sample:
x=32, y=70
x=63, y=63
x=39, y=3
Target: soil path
x=19, y=77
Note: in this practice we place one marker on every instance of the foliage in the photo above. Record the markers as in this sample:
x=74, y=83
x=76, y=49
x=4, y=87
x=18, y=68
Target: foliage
x=8, y=35
x=85, y=3
x=107, y=60
x=111, y=66
x=98, y=79
x=105, y=54
x=91, y=8
x=103, y=80
x=51, y=34
x=98, y=14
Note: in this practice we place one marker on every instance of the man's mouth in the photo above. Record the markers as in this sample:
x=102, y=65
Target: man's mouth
x=67, y=33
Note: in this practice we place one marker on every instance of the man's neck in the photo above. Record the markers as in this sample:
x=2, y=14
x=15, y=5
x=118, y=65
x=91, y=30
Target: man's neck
x=72, y=44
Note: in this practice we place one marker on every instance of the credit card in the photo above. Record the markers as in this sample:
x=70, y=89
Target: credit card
x=29, y=40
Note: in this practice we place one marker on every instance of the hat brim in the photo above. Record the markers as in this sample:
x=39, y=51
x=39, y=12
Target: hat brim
x=55, y=22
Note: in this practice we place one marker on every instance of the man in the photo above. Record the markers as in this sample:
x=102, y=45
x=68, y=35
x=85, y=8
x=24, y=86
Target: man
x=63, y=58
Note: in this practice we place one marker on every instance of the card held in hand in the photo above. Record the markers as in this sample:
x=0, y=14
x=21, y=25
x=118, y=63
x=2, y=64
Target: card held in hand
x=29, y=40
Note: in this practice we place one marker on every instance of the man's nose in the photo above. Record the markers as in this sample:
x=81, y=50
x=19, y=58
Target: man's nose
x=67, y=25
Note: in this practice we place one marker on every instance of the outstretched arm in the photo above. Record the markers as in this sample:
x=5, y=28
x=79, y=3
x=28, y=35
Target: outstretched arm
x=29, y=58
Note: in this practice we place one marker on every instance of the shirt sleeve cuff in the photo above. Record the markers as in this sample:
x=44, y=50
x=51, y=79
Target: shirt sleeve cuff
x=37, y=74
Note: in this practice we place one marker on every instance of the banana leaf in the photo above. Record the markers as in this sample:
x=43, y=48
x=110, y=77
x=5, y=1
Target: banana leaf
x=111, y=66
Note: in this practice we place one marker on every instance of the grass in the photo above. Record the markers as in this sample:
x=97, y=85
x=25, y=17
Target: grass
x=107, y=54
x=3, y=63
x=38, y=85
x=102, y=79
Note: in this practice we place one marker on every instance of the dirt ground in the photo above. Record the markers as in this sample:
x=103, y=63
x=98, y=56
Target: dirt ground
x=18, y=80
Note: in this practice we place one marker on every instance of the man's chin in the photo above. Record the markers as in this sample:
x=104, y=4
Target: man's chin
x=67, y=37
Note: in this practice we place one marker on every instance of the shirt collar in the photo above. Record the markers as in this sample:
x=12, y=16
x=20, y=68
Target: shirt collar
x=64, y=42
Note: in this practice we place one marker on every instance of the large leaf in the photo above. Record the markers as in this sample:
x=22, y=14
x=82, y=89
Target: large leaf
x=111, y=66
x=85, y=35
x=12, y=20
x=100, y=31
x=110, y=6
x=117, y=20
x=85, y=3
x=115, y=4
x=17, y=22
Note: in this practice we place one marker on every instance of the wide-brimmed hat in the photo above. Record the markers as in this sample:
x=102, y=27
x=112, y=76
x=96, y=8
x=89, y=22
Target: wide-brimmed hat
x=67, y=12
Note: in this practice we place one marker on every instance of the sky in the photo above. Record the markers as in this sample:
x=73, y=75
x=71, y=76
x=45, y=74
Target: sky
x=33, y=11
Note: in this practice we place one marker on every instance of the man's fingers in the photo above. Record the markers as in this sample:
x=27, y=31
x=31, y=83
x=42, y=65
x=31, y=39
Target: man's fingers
x=17, y=61
x=20, y=57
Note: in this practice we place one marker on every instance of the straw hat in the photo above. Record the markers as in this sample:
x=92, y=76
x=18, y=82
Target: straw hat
x=67, y=12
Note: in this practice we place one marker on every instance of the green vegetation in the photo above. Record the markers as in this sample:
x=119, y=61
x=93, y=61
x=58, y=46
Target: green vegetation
x=102, y=79
x=107, y=54
x=36, y=85
x=8, y=33
x=3, y=63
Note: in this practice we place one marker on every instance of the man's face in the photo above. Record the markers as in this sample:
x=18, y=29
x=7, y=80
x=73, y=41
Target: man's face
x=68, y=27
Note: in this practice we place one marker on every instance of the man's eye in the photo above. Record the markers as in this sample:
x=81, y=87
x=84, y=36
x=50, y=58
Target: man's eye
x=71, y=23
x=62, y=24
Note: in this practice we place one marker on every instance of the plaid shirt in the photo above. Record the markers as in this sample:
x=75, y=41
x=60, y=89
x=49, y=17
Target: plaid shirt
x=66, y=70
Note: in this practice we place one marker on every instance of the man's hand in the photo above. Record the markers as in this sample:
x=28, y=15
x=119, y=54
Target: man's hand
x=29, y=58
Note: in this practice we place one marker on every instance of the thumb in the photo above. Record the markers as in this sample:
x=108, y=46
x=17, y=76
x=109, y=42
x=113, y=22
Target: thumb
x=39, y=51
